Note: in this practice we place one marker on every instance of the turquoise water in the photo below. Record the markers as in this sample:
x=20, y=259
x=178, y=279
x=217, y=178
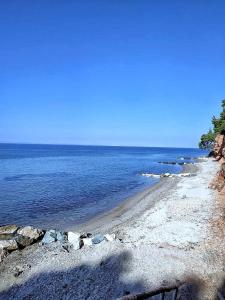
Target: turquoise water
x=61, y=186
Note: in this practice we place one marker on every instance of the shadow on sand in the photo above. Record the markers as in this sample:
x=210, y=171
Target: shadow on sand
x=102, y=281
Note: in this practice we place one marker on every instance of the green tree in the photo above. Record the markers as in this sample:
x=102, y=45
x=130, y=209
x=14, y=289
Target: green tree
x=207, y=140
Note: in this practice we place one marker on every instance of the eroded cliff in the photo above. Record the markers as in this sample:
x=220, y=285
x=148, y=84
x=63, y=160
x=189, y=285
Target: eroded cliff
x=219, y=154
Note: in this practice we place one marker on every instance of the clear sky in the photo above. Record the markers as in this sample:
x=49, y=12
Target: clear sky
x=119, y=72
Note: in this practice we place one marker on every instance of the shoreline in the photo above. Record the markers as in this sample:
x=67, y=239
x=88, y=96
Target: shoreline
x=134, y=205
x=166, y=243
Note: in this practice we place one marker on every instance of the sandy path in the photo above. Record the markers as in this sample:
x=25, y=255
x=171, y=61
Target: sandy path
x=176, y=239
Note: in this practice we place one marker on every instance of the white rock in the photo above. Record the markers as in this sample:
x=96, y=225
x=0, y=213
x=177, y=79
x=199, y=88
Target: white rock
x=87, y=241
x=110, y=237
x=74, y=239
x=9, y=245
x=167, y=174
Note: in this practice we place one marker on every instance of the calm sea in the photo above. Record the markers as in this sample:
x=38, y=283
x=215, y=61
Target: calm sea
x=60, y=186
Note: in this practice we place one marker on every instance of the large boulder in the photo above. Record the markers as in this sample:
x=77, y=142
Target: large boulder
x=8, y=245
x=31, y=232
x=28, y=235
x=8, y=229
x=75, y=240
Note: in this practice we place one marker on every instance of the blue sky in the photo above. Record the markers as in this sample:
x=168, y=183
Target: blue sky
x=119, y=72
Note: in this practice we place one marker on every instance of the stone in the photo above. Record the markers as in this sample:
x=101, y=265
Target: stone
x=28, y=235
x=167, y=174
x=98, y=238
x=8, y=229
x=49, y=237
x=8, y=245
x=31, y=232
x=61, y=236
x=85, y=235
x=74, y=240
x=110, y=237
x=87, y=241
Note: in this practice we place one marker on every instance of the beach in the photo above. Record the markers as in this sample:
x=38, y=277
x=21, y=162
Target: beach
x=166, y=237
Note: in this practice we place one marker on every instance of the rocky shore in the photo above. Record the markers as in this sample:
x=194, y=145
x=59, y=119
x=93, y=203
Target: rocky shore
x=174, y=237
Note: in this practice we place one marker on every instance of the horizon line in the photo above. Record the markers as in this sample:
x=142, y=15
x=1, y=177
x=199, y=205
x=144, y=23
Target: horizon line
x=93, y=145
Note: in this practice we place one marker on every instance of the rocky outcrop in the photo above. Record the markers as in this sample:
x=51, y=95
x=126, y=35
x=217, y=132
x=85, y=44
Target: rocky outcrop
x=219, y=154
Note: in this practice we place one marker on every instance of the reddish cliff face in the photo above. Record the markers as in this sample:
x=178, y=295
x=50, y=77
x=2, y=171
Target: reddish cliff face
x=219, y=154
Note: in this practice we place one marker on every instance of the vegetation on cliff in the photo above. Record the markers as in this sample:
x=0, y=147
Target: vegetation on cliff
x=207, y=139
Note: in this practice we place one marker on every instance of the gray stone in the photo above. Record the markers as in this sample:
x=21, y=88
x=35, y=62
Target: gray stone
x=28, y=235
x=74, y=240
x=61, y=236
x=8, y=245
x=49, y=237
x=98, y=238
x=30, y=232
x=8, y=229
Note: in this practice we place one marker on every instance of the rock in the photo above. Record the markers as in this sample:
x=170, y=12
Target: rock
x=87, y=241
x=61, y=236
x=150, y=175
x=8, y=245
x=98, y=238
x=74, y=240
x=166, y=175
x=110, y=237
x=28, y=235
x=49, y=237
x=85, y=235
x=31, y=232
x=8, y=229
x=3, y=254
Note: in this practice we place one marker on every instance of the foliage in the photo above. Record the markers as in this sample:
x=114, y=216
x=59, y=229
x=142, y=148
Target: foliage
x=207, y=140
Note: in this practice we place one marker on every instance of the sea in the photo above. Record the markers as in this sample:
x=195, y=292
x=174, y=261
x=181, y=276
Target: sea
x=61, y=186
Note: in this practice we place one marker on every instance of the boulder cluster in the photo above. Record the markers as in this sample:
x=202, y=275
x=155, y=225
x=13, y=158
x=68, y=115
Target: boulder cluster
x=13, y=238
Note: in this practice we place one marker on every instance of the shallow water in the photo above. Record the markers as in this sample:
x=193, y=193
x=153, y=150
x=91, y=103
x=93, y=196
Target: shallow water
x=61, y=186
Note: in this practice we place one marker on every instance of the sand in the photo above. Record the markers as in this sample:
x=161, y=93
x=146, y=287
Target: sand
x=170, y=234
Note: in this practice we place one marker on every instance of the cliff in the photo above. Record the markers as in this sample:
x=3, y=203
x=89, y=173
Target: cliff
x=219, y=154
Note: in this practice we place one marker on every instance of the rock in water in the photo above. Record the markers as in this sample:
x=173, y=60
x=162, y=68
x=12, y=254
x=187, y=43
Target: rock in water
x=8, y=245
x=49, y=237
x=97, y=239
x=74, y=239
x=28, y=235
